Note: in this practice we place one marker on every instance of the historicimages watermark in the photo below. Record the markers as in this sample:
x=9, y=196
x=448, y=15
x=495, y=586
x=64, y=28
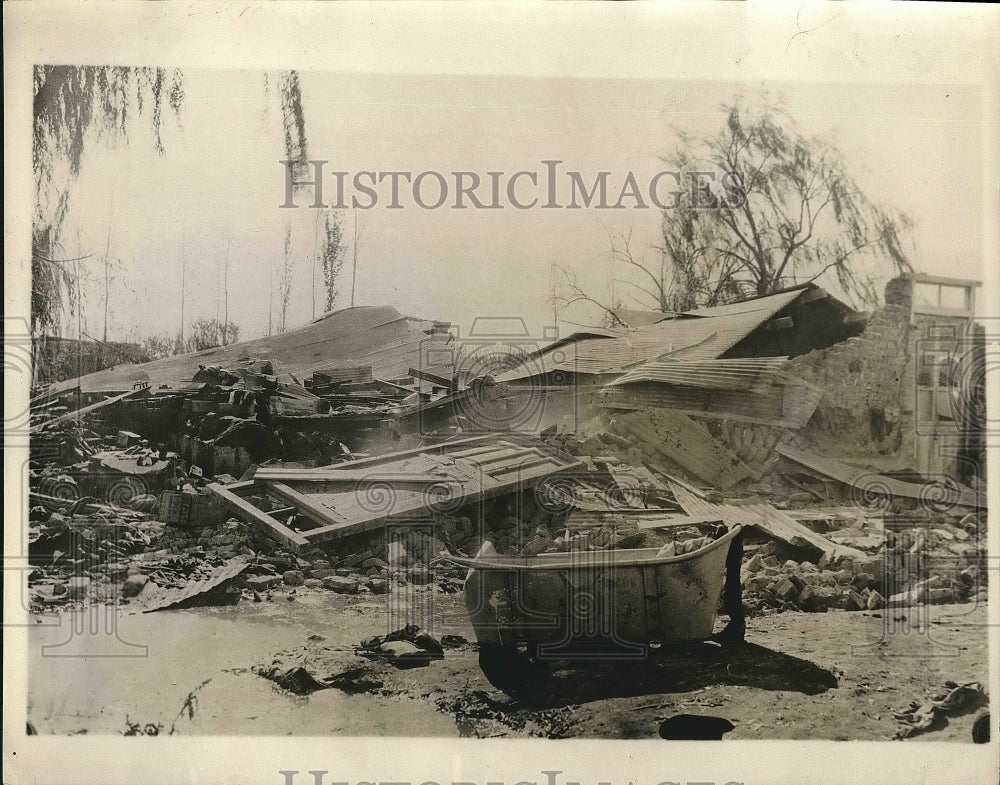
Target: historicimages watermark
x=548, y=186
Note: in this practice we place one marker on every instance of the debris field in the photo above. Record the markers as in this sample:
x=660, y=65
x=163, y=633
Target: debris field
x=702, y=475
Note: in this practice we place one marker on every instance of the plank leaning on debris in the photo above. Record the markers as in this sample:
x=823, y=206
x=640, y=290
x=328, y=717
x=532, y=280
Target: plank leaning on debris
x=88, y=409
x=767, y=519
x=873, y=481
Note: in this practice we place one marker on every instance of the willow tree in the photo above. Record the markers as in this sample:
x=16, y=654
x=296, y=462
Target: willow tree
x=764, y=207
x=75, y=106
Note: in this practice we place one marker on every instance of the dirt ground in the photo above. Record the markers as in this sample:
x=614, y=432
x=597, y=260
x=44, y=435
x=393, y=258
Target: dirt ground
x=835, y=675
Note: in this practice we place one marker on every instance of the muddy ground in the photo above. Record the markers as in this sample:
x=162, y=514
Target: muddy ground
x=835, y=675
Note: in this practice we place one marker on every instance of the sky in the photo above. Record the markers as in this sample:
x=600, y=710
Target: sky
x=215, y=193
x=598, y=85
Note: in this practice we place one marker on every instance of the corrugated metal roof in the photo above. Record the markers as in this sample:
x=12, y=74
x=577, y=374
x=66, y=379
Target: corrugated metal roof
x=771, y=303
x=785, y=404
x=719, y=329
x=371, y=335
x=741, y=374
x=634, y=317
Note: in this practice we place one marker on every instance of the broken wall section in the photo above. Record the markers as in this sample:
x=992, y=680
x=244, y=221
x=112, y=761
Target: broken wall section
x=866, y=408
x=864, y=382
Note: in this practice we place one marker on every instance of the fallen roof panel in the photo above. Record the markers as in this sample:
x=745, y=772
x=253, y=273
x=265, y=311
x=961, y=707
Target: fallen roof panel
x=706, y=338
x=745, y=375
x=371, y=335
x=939, y=494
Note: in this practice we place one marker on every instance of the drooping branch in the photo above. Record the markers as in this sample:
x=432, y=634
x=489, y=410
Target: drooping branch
x=801, y=215
x=74, y=106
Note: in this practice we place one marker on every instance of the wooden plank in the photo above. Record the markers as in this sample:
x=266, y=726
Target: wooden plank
x=767, y=519
x=250, y=514
x=499, y=454
x=783, y=406
x=679, y=520
x=341, y=477
x=320, y=513
x=430, y=449
x=322, y=472
x=521, y=466
x=440, y=381
x=338, y=375
x=89, y=409
x=869, y=481
x=455, y=455
x=392, y=388
x=634, y=513
x=241, y=487
x=405, y=506
x=694, y=505
x=785, y=528
x=828, y=513
x=340, y=508
x=678, y=438
x=359, y=518
x=50, y=395
x=660, y=470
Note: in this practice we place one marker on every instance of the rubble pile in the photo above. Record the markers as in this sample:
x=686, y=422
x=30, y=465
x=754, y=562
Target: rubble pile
x=140, y=486
x=84, y=548
x=906, y=564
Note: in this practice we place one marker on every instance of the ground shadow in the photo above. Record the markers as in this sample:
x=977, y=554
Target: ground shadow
x=677, y=668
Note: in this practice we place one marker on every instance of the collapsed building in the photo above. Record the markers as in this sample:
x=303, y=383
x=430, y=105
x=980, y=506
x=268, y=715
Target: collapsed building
x=351, y=453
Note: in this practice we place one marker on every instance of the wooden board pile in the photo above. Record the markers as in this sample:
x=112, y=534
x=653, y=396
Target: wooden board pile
x=312, y=506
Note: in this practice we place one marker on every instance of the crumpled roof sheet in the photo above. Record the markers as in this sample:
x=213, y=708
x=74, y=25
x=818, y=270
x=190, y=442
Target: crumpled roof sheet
x=718, y=330
x=378, y=336
x=771, y=303
x=179, y=598
x=751, y=375
x=634, y=317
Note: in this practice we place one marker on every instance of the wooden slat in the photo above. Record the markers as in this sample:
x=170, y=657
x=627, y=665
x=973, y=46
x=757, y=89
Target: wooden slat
x=868, y=480
x=455, y=454
x=240, y=488
x=520, y=466
x=697, y=492
x=686, y=443
x=678, y=520
x=340, y=508
x=404, y=507
x=88, y=409
x=828, y=513
x=767, y=519
x=341, y=477
x=785, y=406
x=50, y=395
x=785, y=528
x=425, y=450
x=502, y=453
x=393, y=389
x=247, y=512
x=319, y=512
x=440, y=381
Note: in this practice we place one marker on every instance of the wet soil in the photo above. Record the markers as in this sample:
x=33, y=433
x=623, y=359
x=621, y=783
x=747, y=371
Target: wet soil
x=836, y=675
